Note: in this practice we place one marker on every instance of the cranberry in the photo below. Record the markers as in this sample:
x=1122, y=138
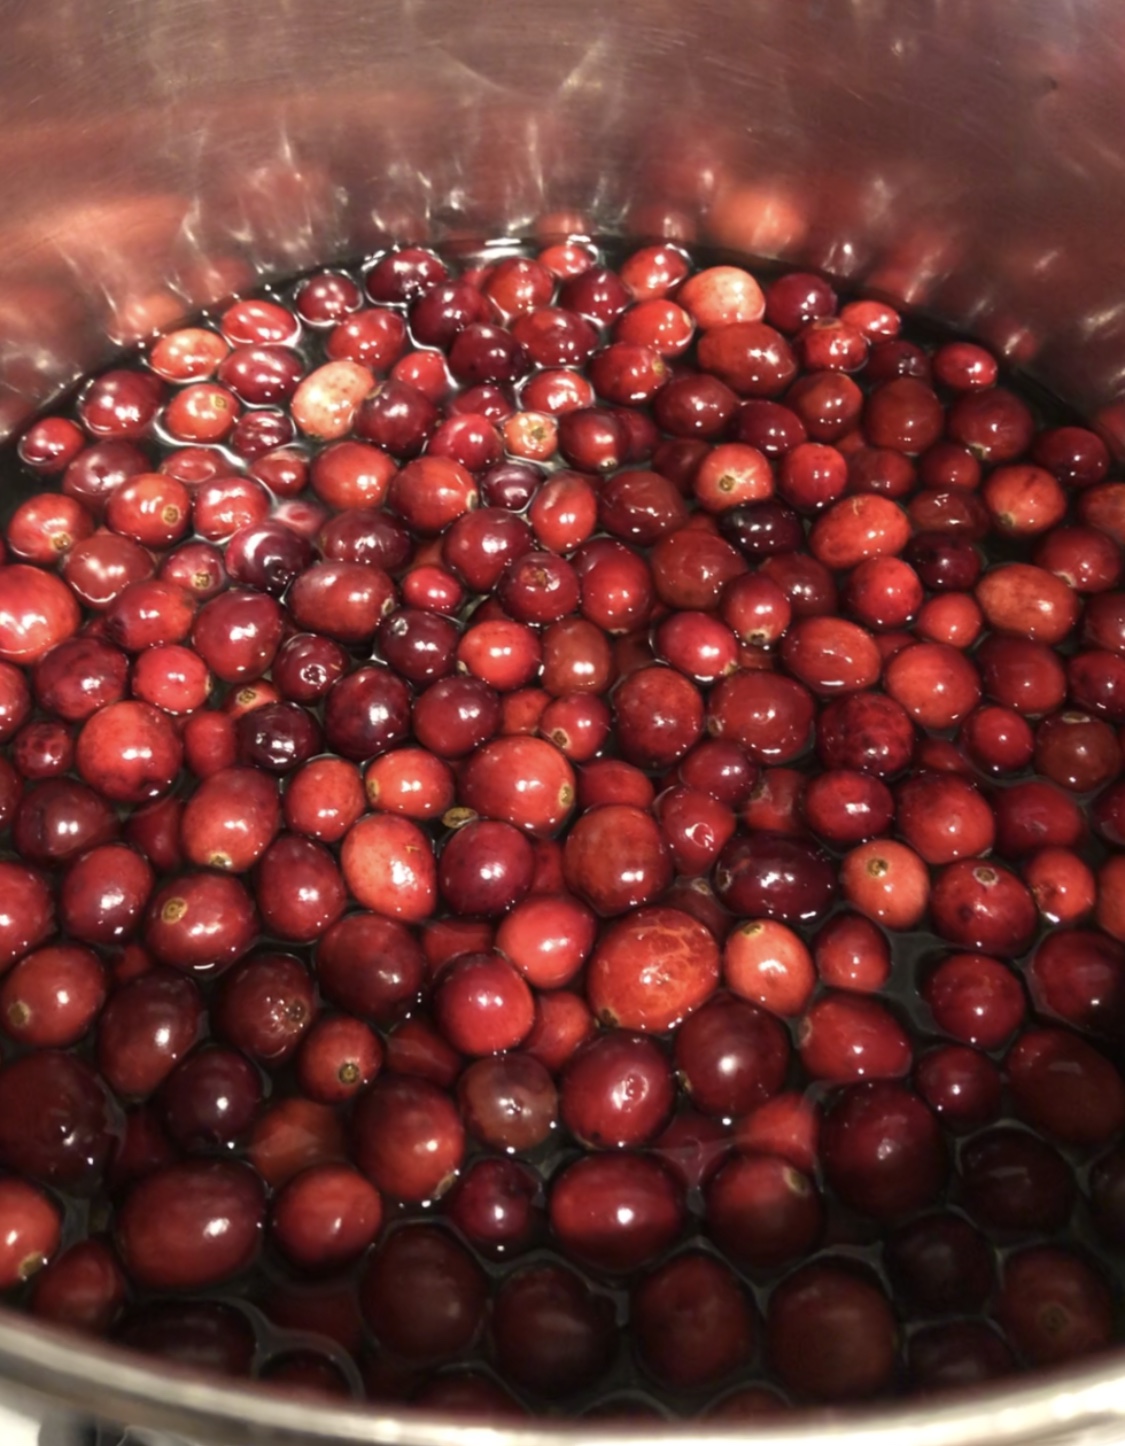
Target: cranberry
x=408, y=1138
x=366, y=712
x=56, y=1123
x=616, y=1212
x=772, y=876
x=326, y=1217
x=693, y=1322
x=883, y=1150
x=617, y=1091
x=852, y=1321
x=145, y=1028
x=978, y=905
x=200, y=923
x=762, y=1211
x=939, y=1263
x=264, y=1006
x=552, y=1335
x=83, y=1288
x=190, y=1225
x=210, y=1100
x=731, y=1056
x=1065, y=1088
x=423, y=1294
x=961, y=1086
x=1013, y=1181
x=1054, y=1306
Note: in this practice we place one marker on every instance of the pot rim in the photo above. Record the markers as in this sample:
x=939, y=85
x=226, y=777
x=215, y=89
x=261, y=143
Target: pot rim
x=51, y=1371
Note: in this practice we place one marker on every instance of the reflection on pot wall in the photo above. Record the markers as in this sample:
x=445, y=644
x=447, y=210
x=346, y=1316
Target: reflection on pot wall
x=963, y=156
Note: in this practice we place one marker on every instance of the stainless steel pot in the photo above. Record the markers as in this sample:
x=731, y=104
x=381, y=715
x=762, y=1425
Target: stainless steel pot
x=965, y=156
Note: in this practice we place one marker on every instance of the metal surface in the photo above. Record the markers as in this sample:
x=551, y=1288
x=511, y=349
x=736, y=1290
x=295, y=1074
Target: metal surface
x=963, y=155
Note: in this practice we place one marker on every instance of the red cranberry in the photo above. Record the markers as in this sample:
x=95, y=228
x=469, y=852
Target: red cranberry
x=939, y=1263
x=57, y=1124
x=978, y=905
x=551, y=1334
x=693, y=1322
x=883, y=1150
x=762, y=1211
x=201, y=923
x=1065, y=1088
x=264, y=1006
x=210, y=1100
x=326, y=1217
x=147, y=1026
x=1013, y=1181
x=848, y=1314
x=408, y=1138
x=770, y=875
x=193, y=1224
x=423, y=1294
x=617, y=1091
x=616, y=1212
x=494, y=1206
x=1054, y=1306
x=731, y=1056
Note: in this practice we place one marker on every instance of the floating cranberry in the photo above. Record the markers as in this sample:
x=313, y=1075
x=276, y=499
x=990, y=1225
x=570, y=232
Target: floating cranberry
x=693, y=1322
x=191, y=1225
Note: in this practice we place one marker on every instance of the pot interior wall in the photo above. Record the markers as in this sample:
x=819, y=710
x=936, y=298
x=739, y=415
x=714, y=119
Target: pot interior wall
x=960, y=156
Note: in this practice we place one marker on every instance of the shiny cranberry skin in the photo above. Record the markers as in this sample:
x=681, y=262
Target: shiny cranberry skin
x=962, y=1086
x=617, y=1213
x=1013, y=1181
x=494, y=1206
x=325, y=1218
x=27, y=912
x=1077, y=976
x=147, y=1026
x=846, y=1037
x=1054, y=1306
x=264, y=1006
x=768, y=715
x=957, y=1355
x=365, y=713
x=237, y=634
x=482, y=1004
x=83, y=1288
x=389, y=867
x=762, y=1211
x=1064, y=1088
x=773, y=876
x=57, y=1125
x=408, y=1138
x=508, y=1101
x=867, y=732
x=231, y=818
x=617, y=1091
x=104, y=894
x=844, y=807
x=552, y=1335
x=201, y=923
x=423, y=1294
x=658, y=715
x=979, y=905
x=98, y=471
x=652, y=943
x=278, y=737
x=883, y=1150
x=731, y=1056
x=191, y=1225
x=52, y=996
x=485, y=868
x=210, y=1100
x=853, y=1323
x=299, y=888
x=56, y=821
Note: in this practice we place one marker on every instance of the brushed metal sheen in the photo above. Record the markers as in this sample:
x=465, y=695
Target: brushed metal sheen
x=964, y=156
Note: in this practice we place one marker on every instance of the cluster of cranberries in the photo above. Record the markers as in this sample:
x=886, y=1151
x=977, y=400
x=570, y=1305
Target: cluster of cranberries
x=565, y=848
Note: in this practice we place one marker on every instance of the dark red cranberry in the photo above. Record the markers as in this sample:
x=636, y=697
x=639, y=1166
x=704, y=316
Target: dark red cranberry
x=1013, y=1181
x=848, y=1314
x=408, y=1138
x=423, y=1294
x=264, y=1006
x=939, y=1263
x=191, y=1225
x=57, y=1123
x=210, y=1100
x=552, y=1335
x=494, y=1205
